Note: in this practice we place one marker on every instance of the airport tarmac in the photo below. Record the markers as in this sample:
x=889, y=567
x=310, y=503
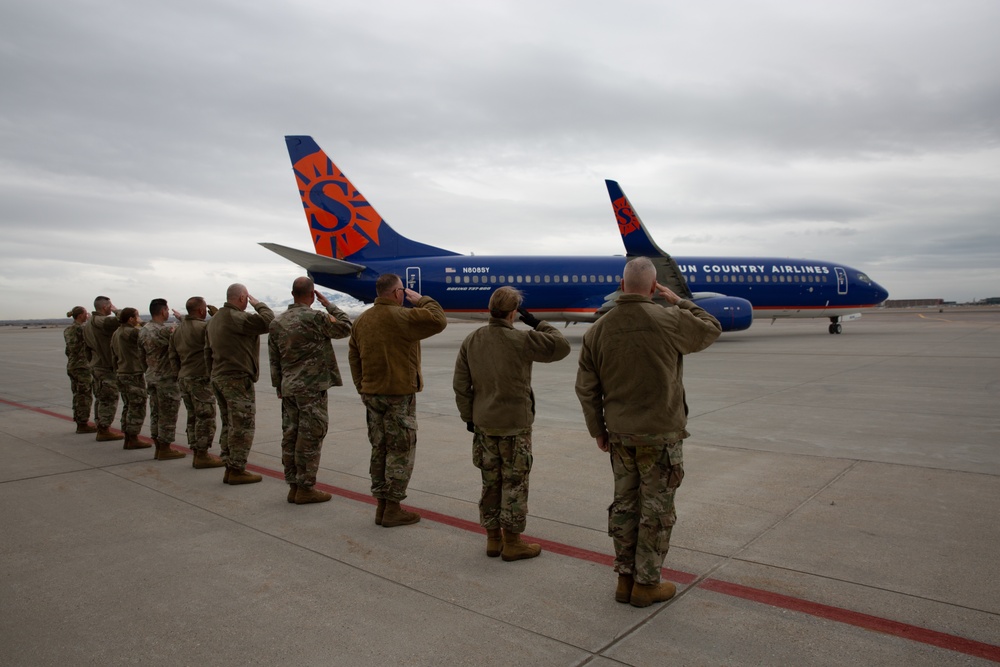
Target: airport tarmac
x=839, y=507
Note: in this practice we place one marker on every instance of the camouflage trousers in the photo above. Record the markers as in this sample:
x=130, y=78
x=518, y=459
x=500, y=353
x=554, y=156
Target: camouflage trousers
x=164, y=403
x=199, y=401
x=133, y=389
x=105, y=396
x=237, y=405
x=304, y=422
x=504, y=461
x=392, y=430
x=642, y=515
x=82, y=383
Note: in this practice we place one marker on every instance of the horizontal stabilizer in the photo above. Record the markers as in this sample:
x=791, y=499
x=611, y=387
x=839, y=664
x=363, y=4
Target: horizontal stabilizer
x=314, y=263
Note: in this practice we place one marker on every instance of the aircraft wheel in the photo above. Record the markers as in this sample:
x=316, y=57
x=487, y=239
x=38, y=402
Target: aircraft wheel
x=836, y=328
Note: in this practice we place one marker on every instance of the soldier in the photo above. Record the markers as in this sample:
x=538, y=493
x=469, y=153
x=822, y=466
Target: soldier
x=187, y=349
x=492, y=386
x=303, y=367
x=128, y=368
x=232, y=356
x=161, y=379
x=384, y=352
x=97, y=333
x=78, y=369
x=630, y=385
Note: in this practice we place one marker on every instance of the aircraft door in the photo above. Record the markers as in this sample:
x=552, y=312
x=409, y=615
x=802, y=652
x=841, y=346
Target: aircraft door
x=841, y=280
x=413, y=278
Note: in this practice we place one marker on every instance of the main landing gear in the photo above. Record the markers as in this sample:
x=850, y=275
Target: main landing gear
x=835, y=327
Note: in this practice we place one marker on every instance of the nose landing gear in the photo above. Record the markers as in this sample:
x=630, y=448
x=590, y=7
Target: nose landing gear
x=835, y=326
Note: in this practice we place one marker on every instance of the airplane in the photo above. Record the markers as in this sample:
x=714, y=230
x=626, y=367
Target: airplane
x=354, y=245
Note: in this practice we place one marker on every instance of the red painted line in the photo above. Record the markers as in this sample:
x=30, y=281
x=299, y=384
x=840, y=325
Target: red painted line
x=857, y=619
x=837, y=614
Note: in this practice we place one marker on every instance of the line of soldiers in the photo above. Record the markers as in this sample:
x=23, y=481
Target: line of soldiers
x=629, y=384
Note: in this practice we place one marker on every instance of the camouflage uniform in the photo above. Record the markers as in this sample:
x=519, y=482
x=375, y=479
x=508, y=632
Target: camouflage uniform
x=97, y=333
x=492, y=384
x=303, y=367
x=384, y=353
x=232, y=356
x=187, y=349
x=630, y=386
x=78, y=369
x=128, y=368
x=647, y=472
x=161, y=380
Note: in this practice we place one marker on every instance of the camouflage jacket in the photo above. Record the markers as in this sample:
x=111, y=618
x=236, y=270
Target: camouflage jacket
x=631, y=374
x=492, y=379
x=77, y=352
x=232, y=340
x=187, y=347
x=384, y=351
x=97, y=332
x=125, y=350
x=301, y=355
x=154, y=352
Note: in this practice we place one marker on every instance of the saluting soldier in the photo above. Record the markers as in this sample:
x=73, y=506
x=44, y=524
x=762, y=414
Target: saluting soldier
x=492, y=384
x=187, y=348
x=161, y=380
x=232, y=355
x=97, y=333
x=78, y=369
x=128, y=368
x=303, y=367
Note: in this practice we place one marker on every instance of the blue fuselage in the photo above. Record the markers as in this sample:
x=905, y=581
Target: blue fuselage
x=574, y=288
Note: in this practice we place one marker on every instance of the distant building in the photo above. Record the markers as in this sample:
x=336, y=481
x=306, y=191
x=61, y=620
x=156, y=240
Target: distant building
x=912, y=303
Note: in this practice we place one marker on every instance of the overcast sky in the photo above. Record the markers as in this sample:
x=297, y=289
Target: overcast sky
x=142, y=150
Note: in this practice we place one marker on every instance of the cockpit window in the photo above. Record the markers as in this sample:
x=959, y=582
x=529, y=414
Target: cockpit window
x=865, y=279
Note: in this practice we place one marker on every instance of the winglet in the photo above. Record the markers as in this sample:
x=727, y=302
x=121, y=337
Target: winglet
x=637, y=240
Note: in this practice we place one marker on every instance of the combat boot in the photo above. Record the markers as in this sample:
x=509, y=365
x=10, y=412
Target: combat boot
x=307, y=494
x=104, y=434
x=395, y=515
x=644, y=595
x=379, y=511
x=85, y=427
x=514, y=548
x=133, y=442
x=494, y=542
x=624, y=591
x=236, y=476
x=165, y=453
x=202, y=459
x=292, y=490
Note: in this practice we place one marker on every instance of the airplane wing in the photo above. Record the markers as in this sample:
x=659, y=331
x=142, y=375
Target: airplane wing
x=314, y=263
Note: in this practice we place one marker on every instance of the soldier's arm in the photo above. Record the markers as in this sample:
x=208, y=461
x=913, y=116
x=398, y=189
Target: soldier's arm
x=696, y=328
x=274, y=356
x=258, y=323
x=426, y=319
x=337, y=325
x=590, y=393
x=208, y=355
x=354, y=358
x=461, y=383
x=546, y=344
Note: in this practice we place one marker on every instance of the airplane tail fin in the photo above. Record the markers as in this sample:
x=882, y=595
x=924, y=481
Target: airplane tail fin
x=638, y=242
x=342, y=222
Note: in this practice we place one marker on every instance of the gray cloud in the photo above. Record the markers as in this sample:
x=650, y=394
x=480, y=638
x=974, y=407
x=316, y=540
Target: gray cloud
x=141, y=144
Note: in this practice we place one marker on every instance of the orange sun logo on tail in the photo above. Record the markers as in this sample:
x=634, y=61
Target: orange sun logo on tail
x=341, y=220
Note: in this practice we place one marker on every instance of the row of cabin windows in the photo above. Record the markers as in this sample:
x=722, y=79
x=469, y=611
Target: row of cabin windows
x=516, y=280
x=757, y=278
x=725, y=278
